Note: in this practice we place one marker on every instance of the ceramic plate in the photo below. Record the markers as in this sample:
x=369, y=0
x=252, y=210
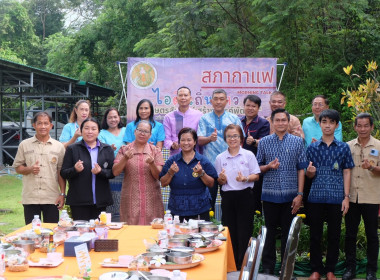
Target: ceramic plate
x=213, y=246
x=45, y=263
x=197, y=258
x=114, y=275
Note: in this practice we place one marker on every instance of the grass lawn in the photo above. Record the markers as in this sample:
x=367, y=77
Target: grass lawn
x=10, y=198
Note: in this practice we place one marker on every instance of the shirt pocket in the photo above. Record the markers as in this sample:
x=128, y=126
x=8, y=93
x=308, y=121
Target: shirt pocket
x=53, y=159
x=30, y=157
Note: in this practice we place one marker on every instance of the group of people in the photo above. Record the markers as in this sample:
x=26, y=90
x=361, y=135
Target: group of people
x=274, y=164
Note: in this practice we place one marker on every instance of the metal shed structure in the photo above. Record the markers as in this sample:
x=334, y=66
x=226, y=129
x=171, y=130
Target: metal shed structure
x=25, y=90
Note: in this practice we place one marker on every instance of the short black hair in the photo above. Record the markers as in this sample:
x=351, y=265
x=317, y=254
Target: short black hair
x=182, y=88
x=330, y=114
x=219, y=90
x=42, y=114
x=321, y=96
x=188, y=130
x=277, y=111
x=90, y=120
x=253, y=98
x=104, y=124
x=364, y=116
x=233, y=126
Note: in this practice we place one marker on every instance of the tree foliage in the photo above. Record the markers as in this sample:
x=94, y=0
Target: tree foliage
x=316, y=38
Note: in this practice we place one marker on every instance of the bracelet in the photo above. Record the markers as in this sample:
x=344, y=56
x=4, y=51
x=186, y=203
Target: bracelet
x=247, y=180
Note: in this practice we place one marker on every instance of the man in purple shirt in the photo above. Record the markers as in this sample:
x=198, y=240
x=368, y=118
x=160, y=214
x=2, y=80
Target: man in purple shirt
x=184, y=116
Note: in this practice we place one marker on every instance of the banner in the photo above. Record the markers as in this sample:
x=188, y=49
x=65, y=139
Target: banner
x=158, y=79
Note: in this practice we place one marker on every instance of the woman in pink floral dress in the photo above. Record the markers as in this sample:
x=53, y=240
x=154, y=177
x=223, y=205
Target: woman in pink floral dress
x=141, y=199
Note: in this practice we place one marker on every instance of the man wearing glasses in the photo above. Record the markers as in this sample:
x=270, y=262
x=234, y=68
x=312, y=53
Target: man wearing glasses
x=278, y=101
x=211, y=128
x=310, y=125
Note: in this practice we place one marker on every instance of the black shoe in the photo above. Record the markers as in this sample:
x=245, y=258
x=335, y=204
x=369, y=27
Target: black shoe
x=349, y=274
x=371, y=275
x=268, y=271
x=293, y=278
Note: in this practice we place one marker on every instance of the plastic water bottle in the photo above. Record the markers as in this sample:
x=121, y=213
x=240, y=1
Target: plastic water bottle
x=176, y=220
x=168, y=218
x=2, y=261
x=64, y=216
x=163, y=240
x=176, y=275
x=36, y=223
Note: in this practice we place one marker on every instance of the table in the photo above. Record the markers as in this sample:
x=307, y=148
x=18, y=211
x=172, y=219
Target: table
x=214, y=267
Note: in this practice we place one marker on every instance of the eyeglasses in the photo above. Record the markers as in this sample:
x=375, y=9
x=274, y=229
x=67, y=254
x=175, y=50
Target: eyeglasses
x=233, y=137
x=142, y=131
x=318, y=105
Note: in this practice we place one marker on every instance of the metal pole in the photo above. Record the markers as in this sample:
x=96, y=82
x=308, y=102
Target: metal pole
x=282, y=74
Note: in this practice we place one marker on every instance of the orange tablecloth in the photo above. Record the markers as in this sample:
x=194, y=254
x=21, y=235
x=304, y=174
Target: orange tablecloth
x=214, y=267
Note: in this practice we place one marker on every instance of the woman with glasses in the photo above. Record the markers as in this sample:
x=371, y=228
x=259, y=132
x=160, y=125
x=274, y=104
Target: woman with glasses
x=190, y=175
x=142, y=162
x=145, y=112
x=237, y=169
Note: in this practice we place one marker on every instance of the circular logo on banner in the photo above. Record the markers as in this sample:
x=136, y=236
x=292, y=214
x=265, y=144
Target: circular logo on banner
x=143, y=75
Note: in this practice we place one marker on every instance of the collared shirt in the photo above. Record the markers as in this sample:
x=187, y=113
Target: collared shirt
x=68, y=132
x=327, y=185
x=281, y=185
x=188, y=194
x=175, y=121
x=365, y=185
x=257, y=128
x=94, y=159
x=312, y=129
x=108, y=138
x=294, y=128
x=206, y=127
x=158, y=133
x=42, y=188
x=244, y=162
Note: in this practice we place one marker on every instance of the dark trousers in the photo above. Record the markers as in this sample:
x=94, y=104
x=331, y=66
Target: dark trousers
x=276, y=215
x=85, y=212
x=50, y=212
x=257, y=190
x=214, y=192
x=202, y=216
x=332, y=214
x=238, y=215
x=369, y=212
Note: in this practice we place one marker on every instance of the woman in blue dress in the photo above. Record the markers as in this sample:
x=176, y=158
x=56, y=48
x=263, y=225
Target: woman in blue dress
x=71, y=131
x=112, y=133
x=113, y=130
x=189, y=175
x=145, y=111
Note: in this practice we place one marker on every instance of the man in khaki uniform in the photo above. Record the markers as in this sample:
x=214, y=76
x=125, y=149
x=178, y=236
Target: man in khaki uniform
x=40, y=159
x=278, y=101
x=364, y=196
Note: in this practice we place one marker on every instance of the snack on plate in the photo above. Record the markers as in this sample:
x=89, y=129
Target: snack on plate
x=18, y=263
x=34, y=258
x=157, y=223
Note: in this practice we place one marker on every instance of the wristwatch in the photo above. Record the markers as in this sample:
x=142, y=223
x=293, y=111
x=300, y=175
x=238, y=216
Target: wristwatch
x=254, y=142
x=371, y=168
x=63, y=194
x=347, y=195
x=202, y=174
x=300, y=193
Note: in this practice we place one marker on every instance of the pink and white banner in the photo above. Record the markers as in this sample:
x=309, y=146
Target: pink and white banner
x=158, y=79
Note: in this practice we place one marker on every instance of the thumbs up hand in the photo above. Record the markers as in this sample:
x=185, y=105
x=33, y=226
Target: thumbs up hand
x=214, y=136
x=311, y=168
x=36, y=168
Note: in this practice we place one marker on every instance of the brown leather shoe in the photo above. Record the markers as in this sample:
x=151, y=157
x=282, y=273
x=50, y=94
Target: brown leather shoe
x=315, y=276
x=330, y=276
